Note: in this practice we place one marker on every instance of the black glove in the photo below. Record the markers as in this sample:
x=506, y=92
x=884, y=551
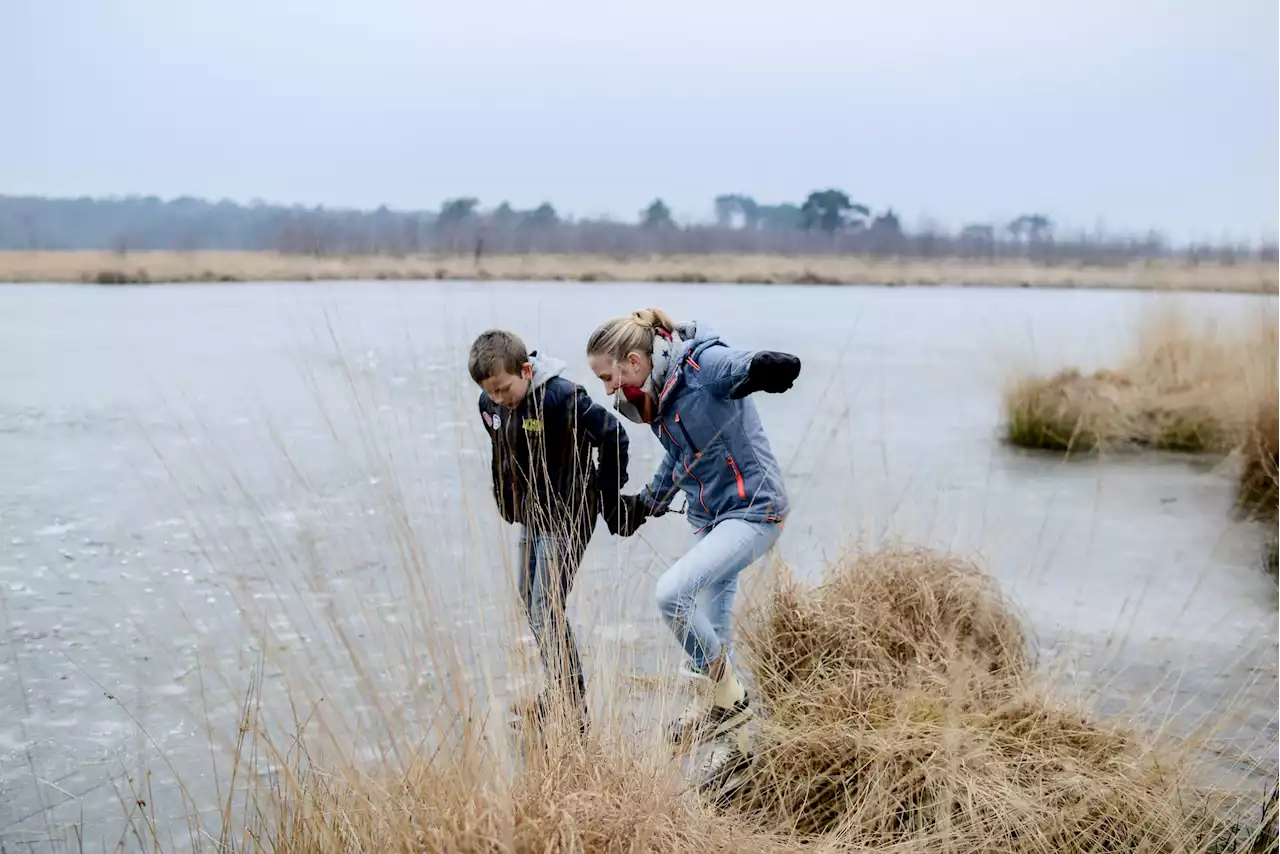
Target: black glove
x=770, y=372
x=611, y=510
x=631, y=514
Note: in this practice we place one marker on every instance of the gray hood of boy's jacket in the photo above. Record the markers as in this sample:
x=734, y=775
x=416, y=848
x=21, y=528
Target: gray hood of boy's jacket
x=544, y=369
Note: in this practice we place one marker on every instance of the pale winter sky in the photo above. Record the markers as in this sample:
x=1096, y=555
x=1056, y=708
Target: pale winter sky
x=1130, y=112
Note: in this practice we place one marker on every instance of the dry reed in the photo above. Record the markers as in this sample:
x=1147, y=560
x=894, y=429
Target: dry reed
x=1260, y=449
x=903, y=713
x=1258, y=490
x=168, y=266
x=1182, y=388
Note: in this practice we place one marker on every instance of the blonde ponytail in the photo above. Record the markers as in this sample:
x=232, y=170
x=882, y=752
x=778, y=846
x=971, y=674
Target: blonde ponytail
x=654, y=318
x=632, y=333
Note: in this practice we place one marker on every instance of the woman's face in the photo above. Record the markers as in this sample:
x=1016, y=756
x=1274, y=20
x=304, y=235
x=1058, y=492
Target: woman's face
x=633, y=370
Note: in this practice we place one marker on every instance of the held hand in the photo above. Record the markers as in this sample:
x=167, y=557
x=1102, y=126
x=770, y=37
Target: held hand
x=611, y=510
x=631, y=514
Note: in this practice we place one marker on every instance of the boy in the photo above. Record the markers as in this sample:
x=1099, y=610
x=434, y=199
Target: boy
x=542, y=428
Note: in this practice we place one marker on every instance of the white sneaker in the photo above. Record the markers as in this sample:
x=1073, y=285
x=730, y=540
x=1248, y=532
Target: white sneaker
x=703, y=721
x=725, y=767
x=694, y=711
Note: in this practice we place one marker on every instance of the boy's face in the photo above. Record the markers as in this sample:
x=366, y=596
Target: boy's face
x=507, y=390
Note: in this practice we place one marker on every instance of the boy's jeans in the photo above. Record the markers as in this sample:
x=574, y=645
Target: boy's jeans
x=696, y=594
x=548, y=564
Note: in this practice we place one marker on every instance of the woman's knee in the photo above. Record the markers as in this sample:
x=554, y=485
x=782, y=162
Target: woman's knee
x=671, y=596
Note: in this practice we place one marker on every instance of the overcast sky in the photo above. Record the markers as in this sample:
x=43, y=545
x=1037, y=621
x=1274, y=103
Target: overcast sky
x=1133, y=113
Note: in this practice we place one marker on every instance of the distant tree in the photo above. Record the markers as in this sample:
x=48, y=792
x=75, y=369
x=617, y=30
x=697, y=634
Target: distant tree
x=382, y=231
x=929, y=238
x=411, y=238
x=505, y=215
x=887, y=225
x=139, y=223
x=1036, y=230
x=1033, y=227
x=831, y=211
x=188, y=238
x=783, y=217
x=978, y=233
x=657, y=216
x=544, y=216
x=885, y=232
x=1155, y=243
x=726, y=208
x=978, y=239
x=453, y=233
x=857, y=217
x=33, y=239
x=455, y=211
x=732, y=206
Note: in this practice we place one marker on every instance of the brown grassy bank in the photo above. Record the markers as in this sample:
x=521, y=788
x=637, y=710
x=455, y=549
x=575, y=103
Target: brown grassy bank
x=142, y=267
x=1260, y=450
x=904, y=714
x=1184, y=387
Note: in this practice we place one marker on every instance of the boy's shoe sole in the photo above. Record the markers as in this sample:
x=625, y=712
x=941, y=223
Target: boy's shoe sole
x=718, y=721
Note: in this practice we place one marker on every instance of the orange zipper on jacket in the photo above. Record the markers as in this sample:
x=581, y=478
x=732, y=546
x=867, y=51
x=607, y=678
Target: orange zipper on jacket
x=685, y=432
x=689, y=471
x=701, y=487
x=737, y=475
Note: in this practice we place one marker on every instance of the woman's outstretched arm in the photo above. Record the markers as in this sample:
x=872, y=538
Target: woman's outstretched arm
x=734, y=374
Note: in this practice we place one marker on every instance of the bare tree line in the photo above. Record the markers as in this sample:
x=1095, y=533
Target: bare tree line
x=827, y=222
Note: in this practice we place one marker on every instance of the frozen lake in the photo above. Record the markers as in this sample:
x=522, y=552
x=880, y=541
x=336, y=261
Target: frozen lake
x=192, y=476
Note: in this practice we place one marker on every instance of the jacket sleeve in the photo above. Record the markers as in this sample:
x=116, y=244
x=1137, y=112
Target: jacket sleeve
x=598, y=426
x=504, y=485
x=734, y=374
x=661, y=491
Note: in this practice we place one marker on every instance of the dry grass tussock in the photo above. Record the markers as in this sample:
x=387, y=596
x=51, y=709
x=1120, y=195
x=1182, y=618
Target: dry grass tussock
x=903, y=713
x=1261, y=453
x=143, y=267
x=589, y=798
x=1183, y=387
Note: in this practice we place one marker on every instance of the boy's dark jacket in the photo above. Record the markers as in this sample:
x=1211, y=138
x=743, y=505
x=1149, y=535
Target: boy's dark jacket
x=543, y=473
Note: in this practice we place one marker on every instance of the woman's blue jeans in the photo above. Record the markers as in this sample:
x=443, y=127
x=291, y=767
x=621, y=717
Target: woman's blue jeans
x=696, y=594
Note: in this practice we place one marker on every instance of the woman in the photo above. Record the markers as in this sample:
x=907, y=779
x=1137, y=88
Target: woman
x=692, y=389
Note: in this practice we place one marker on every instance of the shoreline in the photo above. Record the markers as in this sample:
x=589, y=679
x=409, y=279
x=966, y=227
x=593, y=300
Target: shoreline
x=172, y=267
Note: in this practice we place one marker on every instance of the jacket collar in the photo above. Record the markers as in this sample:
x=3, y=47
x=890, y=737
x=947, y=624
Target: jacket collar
x=685, y=356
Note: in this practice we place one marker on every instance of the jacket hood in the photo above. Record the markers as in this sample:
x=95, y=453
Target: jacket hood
x=544, y=369
x=695, y=337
